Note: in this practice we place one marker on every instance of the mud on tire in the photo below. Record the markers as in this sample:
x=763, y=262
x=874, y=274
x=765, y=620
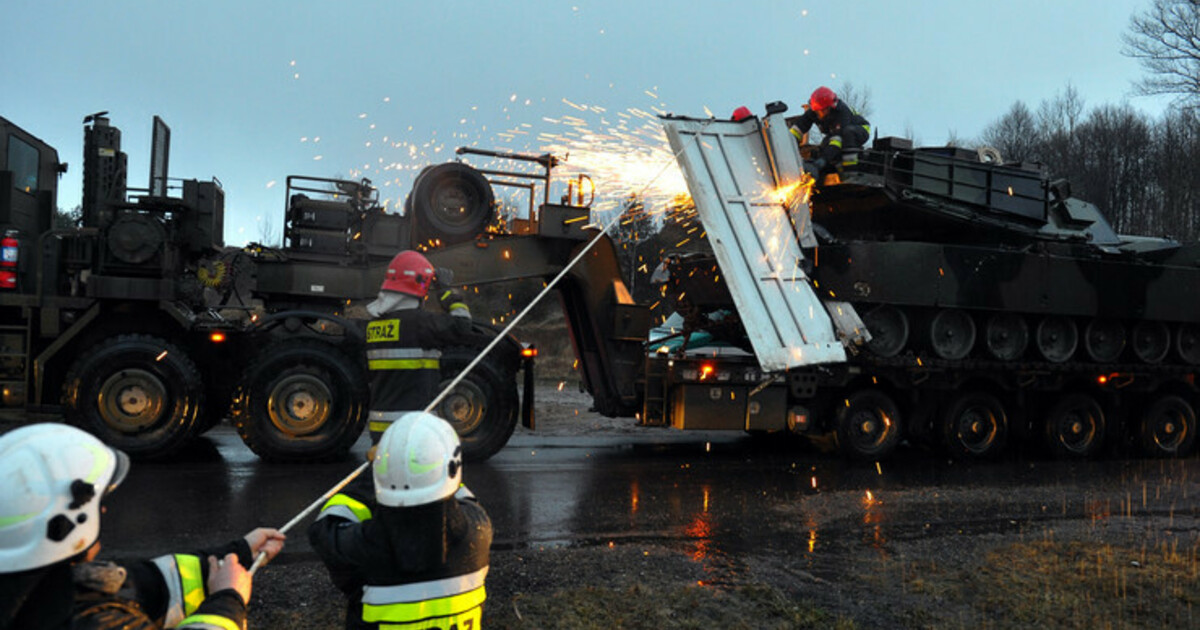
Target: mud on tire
x=301, y=401
x=138, y=393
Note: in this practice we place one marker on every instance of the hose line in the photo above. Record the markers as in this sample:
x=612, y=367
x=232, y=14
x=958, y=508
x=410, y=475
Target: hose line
x=258, y=561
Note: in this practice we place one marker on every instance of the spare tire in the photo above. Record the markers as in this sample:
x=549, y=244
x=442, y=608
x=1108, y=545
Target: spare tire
x=450, y=202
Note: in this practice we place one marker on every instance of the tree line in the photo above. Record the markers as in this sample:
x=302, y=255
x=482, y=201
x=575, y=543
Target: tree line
x=1143, y=173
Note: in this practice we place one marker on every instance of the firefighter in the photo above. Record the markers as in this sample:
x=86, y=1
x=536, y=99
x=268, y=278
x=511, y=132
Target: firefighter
x=404, y=342
x=841, y=127
x=413, y=552
x=53, y=481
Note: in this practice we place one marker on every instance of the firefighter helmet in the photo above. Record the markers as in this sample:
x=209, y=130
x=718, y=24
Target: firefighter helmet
x=52, y=479
x=741, y=113
x=409, y=273
x=418, y=461
x=822, y=99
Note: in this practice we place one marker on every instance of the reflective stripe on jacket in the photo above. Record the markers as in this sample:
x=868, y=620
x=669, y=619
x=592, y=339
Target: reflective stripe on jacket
x=185, y=585
x=445, y=603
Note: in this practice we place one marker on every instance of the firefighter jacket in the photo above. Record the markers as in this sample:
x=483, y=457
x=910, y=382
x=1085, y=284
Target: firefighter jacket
x=412, y=567
x=842, y=128
x=165, y=592
x=404, y=359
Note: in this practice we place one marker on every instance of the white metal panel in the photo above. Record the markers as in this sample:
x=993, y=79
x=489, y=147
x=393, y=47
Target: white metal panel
x=734, y=182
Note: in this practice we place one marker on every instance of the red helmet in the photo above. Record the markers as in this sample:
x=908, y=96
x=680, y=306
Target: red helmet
x=741, y=113
x=409, y=273
x=822, y=99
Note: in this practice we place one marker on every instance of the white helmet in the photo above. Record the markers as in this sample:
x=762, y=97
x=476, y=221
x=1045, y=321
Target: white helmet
x=418, y=461
x=52, y=478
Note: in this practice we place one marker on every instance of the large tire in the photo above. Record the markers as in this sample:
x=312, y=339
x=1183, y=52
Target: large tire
x=137, y=393
x=1167, y=428
x=301, y=400
x=451, y=202
x=975, y=426
x=483, y=406
x=868, y=425
x=1075, y=426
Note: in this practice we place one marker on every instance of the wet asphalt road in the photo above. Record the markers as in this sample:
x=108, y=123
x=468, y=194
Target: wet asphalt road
x=716, y=495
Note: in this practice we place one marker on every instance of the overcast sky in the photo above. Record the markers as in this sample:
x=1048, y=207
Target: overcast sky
x=257, y=90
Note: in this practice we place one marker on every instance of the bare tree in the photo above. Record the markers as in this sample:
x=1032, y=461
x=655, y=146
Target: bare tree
x=1014, y=135
x=1166, y=39
x=859, y=99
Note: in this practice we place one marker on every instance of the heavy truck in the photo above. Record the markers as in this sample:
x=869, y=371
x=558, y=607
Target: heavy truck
x=932, y=294
x=134, y=321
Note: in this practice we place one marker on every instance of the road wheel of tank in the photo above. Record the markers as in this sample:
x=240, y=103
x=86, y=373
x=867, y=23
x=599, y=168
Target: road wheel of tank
x=1075, y=426
x=888, y=326
x=868, y=425
x=452, y=201
x=975, y=426
x=1168, y=428
x=1151, y=341
x=952, y=334
x=1104, y=339
x=482, y=408
x=301, y=400
x=1056, y=338
x=1007, y=336
x=137, y=393
x=1187, y=343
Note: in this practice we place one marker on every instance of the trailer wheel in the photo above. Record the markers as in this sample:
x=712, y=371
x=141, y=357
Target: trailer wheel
x=975, y=426
x=301, y=401
x=453, y=202
x=868, y=425
x=1168, y=428
x=137, y=393
x=483, y=406
x=1075, y=426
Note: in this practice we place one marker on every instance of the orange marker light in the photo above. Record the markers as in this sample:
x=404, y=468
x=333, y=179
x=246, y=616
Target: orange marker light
x=216, y=336
x=706, y=370
x=529, y=353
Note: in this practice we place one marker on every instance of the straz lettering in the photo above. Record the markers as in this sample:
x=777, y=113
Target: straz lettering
x=386, y=330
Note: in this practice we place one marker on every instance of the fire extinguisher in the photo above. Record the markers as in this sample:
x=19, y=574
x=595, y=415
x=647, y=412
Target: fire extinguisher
x=10, y=249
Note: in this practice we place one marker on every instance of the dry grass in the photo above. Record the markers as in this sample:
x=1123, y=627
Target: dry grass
x=753, y=606
x=1049, y=584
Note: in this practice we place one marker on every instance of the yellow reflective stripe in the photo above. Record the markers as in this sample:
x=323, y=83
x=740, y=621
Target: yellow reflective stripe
x=456, y=306
x=868, y=128
x=100, y=457
x=796, y=132
x=209, y=621
x=835, y=142
x=191, y=579
x=404, y=364
x=359, y=508
x=5, y=521
x=380, y=426
x=415, y=611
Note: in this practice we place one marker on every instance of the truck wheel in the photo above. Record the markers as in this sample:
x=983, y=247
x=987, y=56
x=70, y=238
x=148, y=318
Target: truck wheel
x=1168, y=428
x=1075, y=426
x=452, y=202
x=137, y=393
x=483, y=406
x=975, y=426
x=868, y=425
x=301, y=401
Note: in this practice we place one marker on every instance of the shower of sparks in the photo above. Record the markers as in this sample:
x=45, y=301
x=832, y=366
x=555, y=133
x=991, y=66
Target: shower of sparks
x=623, y=151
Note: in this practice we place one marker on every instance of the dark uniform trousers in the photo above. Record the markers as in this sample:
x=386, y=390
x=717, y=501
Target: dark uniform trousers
x=404, y=360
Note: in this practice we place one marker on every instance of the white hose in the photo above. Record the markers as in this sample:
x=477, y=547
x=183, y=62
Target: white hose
x=258, y=561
